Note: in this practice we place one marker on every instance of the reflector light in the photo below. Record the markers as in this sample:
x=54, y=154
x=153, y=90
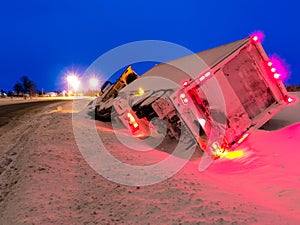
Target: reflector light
x=207, y=74
x=270, y=64
x=202, y=78
x=273, y=70
x=202, y=122
x=183, y=98
x=243, y=138
x=185, y=83
x=290, y=100
x=276, y=75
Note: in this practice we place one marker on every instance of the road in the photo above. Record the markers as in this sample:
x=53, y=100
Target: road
x=11, y=111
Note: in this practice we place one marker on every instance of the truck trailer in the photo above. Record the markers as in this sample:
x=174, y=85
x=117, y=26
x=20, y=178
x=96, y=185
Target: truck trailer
x=214, y=98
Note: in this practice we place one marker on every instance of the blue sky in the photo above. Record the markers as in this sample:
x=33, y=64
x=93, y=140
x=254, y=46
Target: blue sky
x=43, y=39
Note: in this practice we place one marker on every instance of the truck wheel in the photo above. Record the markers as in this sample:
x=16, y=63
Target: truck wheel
x=97, y=117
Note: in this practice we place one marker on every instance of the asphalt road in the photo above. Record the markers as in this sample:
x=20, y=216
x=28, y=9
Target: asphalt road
x=8, y=112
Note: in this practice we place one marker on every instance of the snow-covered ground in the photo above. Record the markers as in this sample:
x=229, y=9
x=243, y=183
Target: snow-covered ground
x=45, y=180
x=18, y=100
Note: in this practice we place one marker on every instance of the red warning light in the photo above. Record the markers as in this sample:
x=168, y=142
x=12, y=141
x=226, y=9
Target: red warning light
x=290, y=100
x=257, y=36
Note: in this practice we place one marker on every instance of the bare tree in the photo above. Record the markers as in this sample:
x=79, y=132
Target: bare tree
x=18, y=88
x=25, y=85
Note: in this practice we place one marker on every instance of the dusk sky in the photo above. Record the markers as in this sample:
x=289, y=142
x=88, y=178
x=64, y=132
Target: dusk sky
x=43, y=39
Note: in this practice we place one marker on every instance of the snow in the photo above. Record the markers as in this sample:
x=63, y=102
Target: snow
x=49, y=182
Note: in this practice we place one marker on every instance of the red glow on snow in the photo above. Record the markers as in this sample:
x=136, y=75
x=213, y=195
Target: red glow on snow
x=280, y=67
x=232, y=155
x=257, y=36
x=243, y=138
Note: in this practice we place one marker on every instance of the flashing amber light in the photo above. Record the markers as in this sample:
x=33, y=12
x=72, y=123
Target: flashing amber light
x=140, y=92
x=243, y=138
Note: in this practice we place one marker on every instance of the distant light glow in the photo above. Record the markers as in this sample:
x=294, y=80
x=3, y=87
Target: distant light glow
x=141, y=91
x=73, y=81
x=94, y=83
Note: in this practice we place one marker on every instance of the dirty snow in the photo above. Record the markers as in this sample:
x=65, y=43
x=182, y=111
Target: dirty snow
x=45, y=180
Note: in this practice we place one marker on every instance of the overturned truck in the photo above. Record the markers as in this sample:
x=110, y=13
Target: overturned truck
x=215, y=97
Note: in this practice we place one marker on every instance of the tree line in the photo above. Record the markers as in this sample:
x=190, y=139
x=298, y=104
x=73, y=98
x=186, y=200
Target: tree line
x=25, y=86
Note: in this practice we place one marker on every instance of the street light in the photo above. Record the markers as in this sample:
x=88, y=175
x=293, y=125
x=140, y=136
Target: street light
x=94, y=82
x=73, y=81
